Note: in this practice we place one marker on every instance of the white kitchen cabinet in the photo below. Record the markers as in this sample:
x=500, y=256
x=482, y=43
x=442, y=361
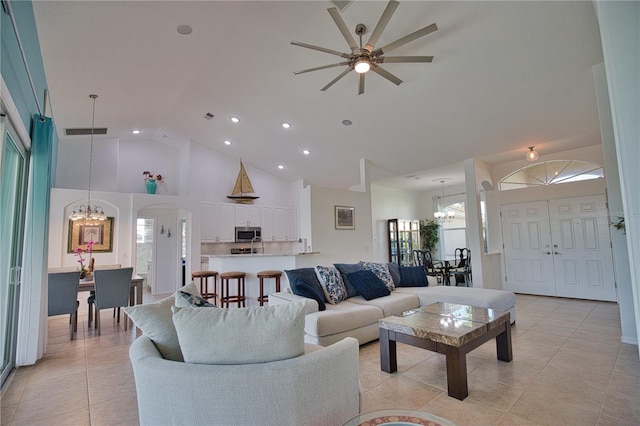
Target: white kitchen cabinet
x=280, y=223
x=218, y=223
x=247, y=215
x=292, y=224
x=266, y=222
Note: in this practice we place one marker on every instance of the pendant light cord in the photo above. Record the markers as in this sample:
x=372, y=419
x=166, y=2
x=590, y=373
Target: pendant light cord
x=93, y=117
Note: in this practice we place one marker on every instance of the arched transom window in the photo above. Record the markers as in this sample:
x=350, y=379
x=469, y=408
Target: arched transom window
x=549, y=173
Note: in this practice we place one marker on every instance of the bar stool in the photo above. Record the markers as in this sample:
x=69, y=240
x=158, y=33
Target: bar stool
x=227, y=298
x=204, y=283
x=268, y=274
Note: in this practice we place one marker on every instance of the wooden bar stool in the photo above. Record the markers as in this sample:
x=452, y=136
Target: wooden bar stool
x=227, y=298
x=268, y=274
x=204, y=283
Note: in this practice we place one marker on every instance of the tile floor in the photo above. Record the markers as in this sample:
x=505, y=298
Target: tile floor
x=569, y=368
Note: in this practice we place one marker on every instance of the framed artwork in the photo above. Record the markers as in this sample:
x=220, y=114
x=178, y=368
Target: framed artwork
x=83, y=231
x=345, y=217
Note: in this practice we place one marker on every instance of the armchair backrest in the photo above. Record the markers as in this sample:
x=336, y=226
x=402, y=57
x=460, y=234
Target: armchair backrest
x=113, y=287
x=63, y=292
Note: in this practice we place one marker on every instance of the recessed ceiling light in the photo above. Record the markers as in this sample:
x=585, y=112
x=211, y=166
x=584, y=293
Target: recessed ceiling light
x=286, y=125
x=136, y=131
x=184, y=29
x=235, y=119
x=347, y=122
x=227, y=142
x=280, y=166
x=306, y=152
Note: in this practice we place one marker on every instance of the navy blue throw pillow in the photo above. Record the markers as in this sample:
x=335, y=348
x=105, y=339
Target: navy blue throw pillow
x=394, y=270
x=368, y=284
x=413, y=276
x=304, y=289
x=307, y=275
x=195, y=300
x=345, y=269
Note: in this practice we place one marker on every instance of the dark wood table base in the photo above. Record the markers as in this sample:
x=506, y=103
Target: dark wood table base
x=456, y=356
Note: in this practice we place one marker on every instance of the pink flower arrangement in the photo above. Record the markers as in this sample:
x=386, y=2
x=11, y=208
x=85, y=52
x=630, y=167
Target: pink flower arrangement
x=148, y=175
x=84, y=270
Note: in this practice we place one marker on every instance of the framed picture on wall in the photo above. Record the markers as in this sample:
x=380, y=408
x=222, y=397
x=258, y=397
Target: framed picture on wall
x=83, y=231
x=345, y=217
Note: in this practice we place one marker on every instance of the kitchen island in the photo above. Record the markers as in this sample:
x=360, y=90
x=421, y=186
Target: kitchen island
x=251, y=264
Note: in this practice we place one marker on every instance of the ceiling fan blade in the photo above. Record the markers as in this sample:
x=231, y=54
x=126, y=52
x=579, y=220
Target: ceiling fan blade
x=320, y=68
x=382, y=24
x=321, y=49
x=406, y=39
x=361, y=84
x=332, y=82
x=405, y=59
x=343, y=28
x=386, y=74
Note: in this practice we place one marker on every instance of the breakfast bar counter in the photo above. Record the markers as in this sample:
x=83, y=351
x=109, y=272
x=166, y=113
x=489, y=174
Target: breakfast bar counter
x=251, y=264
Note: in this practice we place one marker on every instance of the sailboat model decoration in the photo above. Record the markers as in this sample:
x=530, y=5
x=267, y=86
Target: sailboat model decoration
x=242, y=188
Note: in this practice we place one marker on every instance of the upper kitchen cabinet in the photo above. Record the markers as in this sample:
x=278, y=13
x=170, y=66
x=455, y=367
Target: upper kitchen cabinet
x=247, y=215
x=278, y=223
x=218, y=223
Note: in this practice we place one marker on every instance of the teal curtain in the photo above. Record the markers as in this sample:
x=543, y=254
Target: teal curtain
x=32, y=322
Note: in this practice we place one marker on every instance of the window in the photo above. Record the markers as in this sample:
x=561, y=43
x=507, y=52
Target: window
x=550, y=173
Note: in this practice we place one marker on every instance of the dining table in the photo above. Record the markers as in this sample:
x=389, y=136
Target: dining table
x=135, y=295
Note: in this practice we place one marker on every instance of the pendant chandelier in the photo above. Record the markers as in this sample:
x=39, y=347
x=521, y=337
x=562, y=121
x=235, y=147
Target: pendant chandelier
x=443, y=216
x=87, y=211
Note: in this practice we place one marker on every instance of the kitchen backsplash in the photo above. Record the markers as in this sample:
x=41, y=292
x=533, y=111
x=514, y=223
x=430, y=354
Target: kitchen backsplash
x=212, y=249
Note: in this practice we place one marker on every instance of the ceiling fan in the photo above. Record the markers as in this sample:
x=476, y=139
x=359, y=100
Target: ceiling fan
x=362, y=59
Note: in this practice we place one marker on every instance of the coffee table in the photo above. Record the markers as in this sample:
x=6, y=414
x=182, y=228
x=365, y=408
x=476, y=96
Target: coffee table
x=450, y=329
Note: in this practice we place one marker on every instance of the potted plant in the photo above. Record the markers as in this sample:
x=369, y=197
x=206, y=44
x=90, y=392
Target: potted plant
x=429, y=235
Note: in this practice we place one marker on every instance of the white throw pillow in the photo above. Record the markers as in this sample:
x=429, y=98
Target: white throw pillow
x=332, y=285
x=240, y=335
x=155, y=321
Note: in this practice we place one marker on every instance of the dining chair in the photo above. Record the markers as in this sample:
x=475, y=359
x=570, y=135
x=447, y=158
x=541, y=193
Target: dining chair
x=92, y=294
x=112, y=287
x=63, y=297
x=462, y=266
x=423, y=258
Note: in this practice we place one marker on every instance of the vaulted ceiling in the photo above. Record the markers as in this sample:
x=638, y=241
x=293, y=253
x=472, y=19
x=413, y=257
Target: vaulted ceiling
x=505, y=75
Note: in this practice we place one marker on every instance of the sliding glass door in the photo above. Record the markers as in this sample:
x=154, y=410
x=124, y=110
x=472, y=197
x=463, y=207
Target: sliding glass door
x=13, y=185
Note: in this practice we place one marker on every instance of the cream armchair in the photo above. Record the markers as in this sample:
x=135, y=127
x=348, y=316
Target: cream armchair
x=318, y=388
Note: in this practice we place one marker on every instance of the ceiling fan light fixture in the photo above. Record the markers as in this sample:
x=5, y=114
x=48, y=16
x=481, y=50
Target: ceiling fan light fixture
x=363, y=65
x=531, y=155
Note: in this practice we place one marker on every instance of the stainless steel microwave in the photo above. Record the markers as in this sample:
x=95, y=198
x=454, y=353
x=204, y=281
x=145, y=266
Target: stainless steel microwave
x=245, y=234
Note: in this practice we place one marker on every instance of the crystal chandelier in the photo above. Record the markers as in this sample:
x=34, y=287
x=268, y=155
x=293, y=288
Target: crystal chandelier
x=87, y=211
x=443, y=215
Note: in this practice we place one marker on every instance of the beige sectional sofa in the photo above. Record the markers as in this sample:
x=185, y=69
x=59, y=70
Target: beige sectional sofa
x=358, y=318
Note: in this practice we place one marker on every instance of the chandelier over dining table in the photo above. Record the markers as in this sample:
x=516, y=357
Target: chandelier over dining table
x=443, y=215
x=88, y=211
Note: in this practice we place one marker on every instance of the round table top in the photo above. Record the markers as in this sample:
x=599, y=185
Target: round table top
x=398, y=417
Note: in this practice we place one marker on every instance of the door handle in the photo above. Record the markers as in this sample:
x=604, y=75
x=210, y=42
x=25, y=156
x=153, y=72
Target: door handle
x=557, y=252
x=546, y=252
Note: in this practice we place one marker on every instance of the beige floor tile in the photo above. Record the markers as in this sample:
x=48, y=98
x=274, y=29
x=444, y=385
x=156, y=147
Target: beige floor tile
x=56, y=388
x=510, y=420
x=6, y=413
x=547, y=338
x=517, y=374
x=622, y=406
x=372, y=401
x=109, y=385
x=573, y=360
x=546, y=410
x=76, y=417
x=120, y=410
x=492, y=393
x=38, y=410
x=371, y=375
x=467, y=412
x=604, y=420
x=591, y=346
x=406, y=392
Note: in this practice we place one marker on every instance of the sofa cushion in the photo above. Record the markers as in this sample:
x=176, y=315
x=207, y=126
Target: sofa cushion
x=368, y=284
x=186, y=300
x=240, y=336
x=332, y=285
x=155, y=321
x=382, y=271
x=413, y=276
x=307, y=275
x=305, y=289
x=394, y=270
x=347, y=268
x=393, y=304
x=342, y=317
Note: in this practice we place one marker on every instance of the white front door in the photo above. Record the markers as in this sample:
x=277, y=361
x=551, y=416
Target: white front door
x=582, y=249
x=527, y=248
x=559, y=248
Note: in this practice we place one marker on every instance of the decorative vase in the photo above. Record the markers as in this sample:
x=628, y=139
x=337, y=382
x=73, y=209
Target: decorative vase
x=151, y=186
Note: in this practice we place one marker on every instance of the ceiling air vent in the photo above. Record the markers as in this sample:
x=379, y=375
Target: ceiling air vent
x=85, y=131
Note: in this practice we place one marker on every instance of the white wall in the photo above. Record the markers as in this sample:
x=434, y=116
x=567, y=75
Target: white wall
x=135, y=157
